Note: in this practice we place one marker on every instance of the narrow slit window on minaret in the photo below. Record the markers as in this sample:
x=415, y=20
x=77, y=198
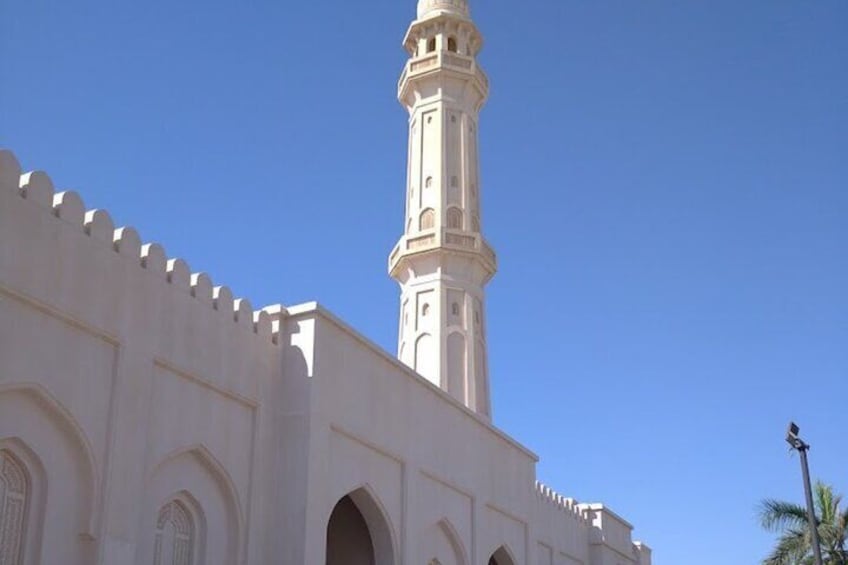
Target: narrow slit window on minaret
x=428, y=219
x=454, y=218
x=452, y=44
x=431, y=45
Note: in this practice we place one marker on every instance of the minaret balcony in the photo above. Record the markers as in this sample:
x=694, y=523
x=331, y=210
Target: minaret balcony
x=451, y=240
x=431, y=63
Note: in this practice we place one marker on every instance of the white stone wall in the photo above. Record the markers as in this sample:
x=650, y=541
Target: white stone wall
x=128, y=382
x=154, y=414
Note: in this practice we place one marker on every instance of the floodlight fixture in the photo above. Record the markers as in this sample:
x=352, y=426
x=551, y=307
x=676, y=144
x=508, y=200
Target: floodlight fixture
x=793, y=439
x=793, y=430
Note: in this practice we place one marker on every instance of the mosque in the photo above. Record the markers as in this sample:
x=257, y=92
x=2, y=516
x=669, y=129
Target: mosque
x=149, y=417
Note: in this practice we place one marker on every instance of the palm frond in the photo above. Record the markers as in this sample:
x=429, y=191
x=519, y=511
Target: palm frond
x=791, y=549
x=777, y=515
x=825, y=502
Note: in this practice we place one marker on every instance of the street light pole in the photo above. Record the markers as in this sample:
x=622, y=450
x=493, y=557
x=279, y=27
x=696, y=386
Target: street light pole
x=798, y=445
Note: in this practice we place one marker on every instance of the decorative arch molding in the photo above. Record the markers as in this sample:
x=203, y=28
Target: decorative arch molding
x=424, y=356
x=69, y=425
x=383, y=536
x=456, y=540
x=233, y=519
x=446, y=530
x=503, y=556
x=36, y=496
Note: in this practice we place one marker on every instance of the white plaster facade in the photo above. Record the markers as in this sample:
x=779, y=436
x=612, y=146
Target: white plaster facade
x=149, y=417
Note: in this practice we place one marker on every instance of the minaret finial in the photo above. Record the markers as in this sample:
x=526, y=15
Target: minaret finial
x=459, y=7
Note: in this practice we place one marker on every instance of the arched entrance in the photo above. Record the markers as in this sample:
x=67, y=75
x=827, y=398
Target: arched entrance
x=501, y=557
x=358, y=532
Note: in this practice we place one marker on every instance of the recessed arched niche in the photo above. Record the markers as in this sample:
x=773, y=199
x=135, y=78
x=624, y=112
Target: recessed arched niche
x=501, y=557
x=455, y=219
x=358, y=532
x=427, y=220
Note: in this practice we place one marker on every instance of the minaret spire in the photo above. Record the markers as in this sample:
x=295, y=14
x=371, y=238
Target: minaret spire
x=442, y=261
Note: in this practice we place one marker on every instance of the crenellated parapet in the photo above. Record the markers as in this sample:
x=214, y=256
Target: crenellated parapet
x=569, y=506
x=613, y=533
x=68, y=207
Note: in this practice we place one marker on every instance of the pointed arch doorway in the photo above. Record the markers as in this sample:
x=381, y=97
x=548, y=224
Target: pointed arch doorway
x=501, y=557
x=358, y=532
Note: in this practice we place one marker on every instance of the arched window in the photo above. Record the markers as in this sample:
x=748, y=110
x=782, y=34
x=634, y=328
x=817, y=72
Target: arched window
x=431, y=45
x=175, y=536
x=455, y=309
x=14, y=492
x=454, y=218
x=427, y=221
x=428, y=183
x=452, y=44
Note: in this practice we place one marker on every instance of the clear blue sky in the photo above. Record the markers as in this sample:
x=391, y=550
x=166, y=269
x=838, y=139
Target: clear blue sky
x=666, y=184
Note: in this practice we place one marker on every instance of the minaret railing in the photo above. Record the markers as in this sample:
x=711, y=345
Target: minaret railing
x=442, y=60
x=445, y=238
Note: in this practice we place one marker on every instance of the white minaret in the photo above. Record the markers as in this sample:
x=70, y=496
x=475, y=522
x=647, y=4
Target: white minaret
x=442, y=261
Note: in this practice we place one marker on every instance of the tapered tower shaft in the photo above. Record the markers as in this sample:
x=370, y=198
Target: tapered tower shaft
x=442, y=261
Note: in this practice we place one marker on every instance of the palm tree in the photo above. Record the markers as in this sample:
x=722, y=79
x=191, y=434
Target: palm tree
x=790, y=520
